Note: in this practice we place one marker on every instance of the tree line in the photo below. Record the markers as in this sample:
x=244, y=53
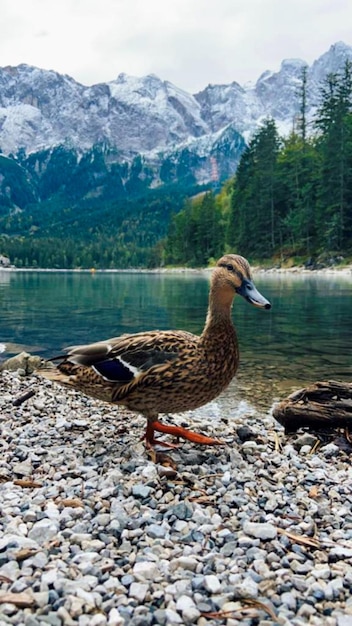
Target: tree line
x=290, y=197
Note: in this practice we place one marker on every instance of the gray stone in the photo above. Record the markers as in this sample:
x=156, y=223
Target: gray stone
x=23, y=469
x=22, y=361
x=115, y=618
x=20, y=585
x=10, y=570
x=39, y=560
x=8, y=608
x=52, y=619
x=307, y=439
x=102, y=519
x=127, y=580
x=184, y=562
x=182, y=511
x=31, y=620
x=229, y=548
x=43, y=531
x=172, y=617
x=97, y=620
x=160, y=616
x=344, y=620
x=317, y=590
x=248, y=588
x=289, y=600
x=263, y=531
x=341, y=552
x=306, y=610
x=301, y=568
x=186, y=606
x=145, y=570
x=321, y=571
x=212, y=583
x=65, y=617
x=330, y=450
x=334, y=588
x=141, y=491
x=138, y=591
x=156, y=531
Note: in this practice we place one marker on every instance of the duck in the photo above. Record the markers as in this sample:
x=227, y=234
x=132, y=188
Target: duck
x=166, y=371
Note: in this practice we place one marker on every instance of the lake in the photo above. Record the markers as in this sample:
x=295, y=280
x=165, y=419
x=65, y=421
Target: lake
x=305, y=337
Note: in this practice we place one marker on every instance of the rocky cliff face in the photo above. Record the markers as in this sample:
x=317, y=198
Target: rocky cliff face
x=40, y=109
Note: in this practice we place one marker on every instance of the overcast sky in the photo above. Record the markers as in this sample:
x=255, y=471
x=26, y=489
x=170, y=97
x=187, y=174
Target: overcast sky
x=189, y=42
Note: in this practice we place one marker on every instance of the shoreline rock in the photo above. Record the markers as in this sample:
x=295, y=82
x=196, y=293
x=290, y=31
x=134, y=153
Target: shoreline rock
x=23, y=363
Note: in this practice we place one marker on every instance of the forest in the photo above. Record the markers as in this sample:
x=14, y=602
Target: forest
x=290, y=199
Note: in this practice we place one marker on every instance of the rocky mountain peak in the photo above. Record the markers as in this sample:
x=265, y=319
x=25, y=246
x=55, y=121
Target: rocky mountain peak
x=149, y=116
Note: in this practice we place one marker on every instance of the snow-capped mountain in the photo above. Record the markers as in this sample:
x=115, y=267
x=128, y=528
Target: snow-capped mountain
x=40, y=109
x=275, y=94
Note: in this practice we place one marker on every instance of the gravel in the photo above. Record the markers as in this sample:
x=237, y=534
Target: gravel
x=95, y=531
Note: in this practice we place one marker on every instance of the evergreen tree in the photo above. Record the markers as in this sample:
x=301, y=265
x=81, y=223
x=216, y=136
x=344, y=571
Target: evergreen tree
x=297, y=182
x=302, y=120
x=335, y=153
x=255, y=220
x=196, y=234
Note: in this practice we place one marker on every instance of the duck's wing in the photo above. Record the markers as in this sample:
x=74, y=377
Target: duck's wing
x=122, y=359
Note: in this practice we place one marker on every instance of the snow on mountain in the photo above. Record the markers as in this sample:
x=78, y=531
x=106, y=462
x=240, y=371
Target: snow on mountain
x=146, y=115
x=275, y=94
x=330, y=62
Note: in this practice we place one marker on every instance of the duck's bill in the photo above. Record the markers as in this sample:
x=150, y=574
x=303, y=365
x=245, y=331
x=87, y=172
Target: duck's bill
x=250, y=293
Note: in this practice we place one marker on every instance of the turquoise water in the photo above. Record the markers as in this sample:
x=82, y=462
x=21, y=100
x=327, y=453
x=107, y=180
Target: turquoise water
x=305, y=337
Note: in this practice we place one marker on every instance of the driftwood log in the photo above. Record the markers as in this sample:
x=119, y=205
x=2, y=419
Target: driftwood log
x=323, y=405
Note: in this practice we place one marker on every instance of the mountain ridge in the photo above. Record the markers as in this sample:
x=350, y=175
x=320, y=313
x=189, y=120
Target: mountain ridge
x=120, y=139
x=147, y=115
x=93, y=175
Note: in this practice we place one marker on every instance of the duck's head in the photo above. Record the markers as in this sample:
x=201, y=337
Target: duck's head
x=233, y=275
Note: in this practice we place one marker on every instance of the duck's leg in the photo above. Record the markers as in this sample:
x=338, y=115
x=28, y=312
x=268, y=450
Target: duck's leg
x=177, y=431
x=151, y=441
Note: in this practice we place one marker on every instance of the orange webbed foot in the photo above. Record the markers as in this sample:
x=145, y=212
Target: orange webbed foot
x=176, y=431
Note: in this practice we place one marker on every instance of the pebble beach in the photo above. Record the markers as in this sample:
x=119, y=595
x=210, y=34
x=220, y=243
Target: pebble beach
x=96, y=531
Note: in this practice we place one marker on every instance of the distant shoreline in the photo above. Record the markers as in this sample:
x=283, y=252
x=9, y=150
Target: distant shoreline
x=300, y=269
x=297, y=269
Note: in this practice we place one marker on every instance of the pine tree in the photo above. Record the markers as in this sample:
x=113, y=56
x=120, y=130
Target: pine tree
x=334, y=147
x=255, y=221
x=297, y=182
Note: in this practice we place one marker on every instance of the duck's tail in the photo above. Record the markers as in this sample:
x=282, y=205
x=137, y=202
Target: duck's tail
x=50, y=372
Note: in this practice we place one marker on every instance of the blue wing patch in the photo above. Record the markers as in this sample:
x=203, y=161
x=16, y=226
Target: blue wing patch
x=114, y=370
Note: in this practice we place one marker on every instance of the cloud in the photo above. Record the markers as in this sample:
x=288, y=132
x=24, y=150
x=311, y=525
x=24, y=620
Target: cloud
x=189, y=42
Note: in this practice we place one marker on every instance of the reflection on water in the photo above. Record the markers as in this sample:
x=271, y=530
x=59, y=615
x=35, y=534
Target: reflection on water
x=308, y=338
x=305, y=337
x=5, y=276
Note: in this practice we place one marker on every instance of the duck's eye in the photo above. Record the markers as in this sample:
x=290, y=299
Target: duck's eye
x=229, y=267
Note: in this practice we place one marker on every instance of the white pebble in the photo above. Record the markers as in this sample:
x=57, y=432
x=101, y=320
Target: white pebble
x=212, y=583
x=259, y=530
x=138, y=591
